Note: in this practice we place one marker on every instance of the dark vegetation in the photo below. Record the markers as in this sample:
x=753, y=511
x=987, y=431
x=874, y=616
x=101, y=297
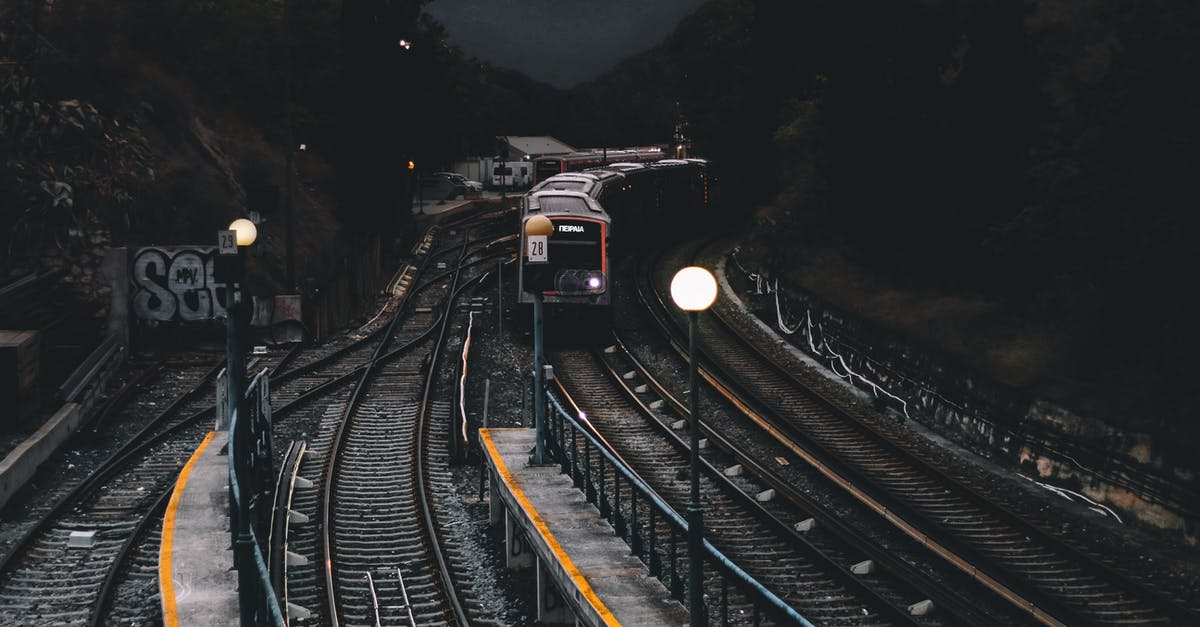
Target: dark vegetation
x=1034, y=157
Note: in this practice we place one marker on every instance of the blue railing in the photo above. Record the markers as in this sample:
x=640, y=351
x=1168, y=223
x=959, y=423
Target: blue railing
x=574, y=446
x=251, y=482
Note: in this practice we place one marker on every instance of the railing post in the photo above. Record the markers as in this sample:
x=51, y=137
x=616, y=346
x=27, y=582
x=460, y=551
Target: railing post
x=655, y=563
x=589, y=489
x=676, y=582
x=604, y=511
x=576, y=476
x=619, y=525
x=635, y=538
x=562, y=441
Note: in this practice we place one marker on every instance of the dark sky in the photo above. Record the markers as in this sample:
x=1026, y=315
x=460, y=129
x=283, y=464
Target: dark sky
x=560, y=42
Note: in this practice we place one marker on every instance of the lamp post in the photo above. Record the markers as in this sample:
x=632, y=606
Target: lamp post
x=230, y=269
x=244, y=235
x=694, y=289
x=233, y=243
x=537, y=232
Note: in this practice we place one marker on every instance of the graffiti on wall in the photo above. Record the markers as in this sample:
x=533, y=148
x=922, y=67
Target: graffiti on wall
x=175, y=283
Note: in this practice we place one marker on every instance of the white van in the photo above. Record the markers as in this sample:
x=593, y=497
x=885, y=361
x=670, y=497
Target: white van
x=512, y=175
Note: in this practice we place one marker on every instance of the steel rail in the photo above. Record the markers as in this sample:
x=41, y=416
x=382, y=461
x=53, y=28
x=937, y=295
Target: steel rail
x=431, y=528
x=366, y=372
x=1015, y=589
x=109, y=466
x=945, y=599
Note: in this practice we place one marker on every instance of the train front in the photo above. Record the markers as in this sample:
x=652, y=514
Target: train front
x=570, y=265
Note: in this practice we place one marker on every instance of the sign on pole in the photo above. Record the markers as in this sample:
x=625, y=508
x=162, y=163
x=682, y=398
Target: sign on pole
x=227, y=242
x=536, y=249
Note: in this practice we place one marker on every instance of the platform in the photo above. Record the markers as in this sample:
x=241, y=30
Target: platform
x=196, y=580
x=549, y=525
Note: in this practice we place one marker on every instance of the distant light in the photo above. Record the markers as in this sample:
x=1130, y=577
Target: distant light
x=303, y=146
x=406, y=44
x=411, y=165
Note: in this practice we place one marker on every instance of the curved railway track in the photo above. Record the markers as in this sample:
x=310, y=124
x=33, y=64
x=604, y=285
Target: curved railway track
x=122, y=500
x=817, y=583
x=43, y=580
x=376, y=548
x=1041, y=575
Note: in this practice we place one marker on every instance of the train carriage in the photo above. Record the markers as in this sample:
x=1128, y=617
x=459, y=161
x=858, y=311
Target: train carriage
x=577, y=250
x=642, y=202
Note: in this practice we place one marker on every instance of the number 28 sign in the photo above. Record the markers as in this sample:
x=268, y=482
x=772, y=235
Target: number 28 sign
x=535, y=249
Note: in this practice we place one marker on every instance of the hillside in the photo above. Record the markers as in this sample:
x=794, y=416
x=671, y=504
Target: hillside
x=1011, y=192
x=1001, y=183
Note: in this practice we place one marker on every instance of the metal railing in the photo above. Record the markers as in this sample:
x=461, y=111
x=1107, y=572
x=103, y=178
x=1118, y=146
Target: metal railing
x=90, y=368
x=592, y=466
x=251, y=482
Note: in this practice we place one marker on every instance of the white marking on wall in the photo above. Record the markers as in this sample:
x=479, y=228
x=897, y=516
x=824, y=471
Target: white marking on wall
x=175, y=283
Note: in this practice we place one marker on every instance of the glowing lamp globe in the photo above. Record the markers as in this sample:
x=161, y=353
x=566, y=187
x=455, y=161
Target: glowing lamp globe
x=538, y=225
x=693, y=289
x=246, y=231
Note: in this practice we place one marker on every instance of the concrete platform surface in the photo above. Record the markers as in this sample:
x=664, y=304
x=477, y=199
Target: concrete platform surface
x=594, y=569
x=196, y=580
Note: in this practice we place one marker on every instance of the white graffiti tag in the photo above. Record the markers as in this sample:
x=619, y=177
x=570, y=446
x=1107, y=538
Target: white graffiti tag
x=176, y=283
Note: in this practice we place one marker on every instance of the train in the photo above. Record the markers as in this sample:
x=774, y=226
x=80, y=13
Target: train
x=595, y=158
x=644, y=203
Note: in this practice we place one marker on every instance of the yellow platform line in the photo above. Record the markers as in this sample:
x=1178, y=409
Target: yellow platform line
x=165, y=581
x=581, y=582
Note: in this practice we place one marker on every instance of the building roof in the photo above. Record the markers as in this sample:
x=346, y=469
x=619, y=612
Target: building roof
x=536, y=144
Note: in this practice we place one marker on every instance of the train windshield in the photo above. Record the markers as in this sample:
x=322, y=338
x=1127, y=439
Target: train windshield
x=577, y=244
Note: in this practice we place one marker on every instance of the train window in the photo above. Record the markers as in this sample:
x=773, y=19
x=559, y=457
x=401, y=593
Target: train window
x=566, y=204
x=573, y=186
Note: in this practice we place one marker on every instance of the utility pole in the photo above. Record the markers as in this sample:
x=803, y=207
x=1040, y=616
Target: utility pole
x=289, y=155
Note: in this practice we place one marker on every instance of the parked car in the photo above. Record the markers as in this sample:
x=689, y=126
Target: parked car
x=440, y=186
x=471, y=185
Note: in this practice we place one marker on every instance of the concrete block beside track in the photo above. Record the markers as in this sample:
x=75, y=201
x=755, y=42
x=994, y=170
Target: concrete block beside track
x=23, y=461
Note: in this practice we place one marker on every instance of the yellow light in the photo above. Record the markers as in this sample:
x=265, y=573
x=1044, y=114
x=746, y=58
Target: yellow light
x=246, y=231
x=693, y=289
x=538, y=225
x=411, y=165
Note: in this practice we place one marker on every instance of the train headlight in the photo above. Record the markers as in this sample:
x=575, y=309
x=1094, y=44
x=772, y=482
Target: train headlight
x=580, y=282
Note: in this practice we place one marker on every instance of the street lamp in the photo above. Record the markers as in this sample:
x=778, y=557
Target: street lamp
x=229, y=267
x=232, y=271
x=537, y=232
x=694, y=289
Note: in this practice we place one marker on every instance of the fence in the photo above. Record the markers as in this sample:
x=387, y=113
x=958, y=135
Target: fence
x=250, y=499
x=592, y=467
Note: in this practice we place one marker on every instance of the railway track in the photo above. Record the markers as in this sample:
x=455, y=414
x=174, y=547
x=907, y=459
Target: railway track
x=375, y=469
x=817, y=583
x=61, y=569
x=123, y=499
x=1049, y=580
